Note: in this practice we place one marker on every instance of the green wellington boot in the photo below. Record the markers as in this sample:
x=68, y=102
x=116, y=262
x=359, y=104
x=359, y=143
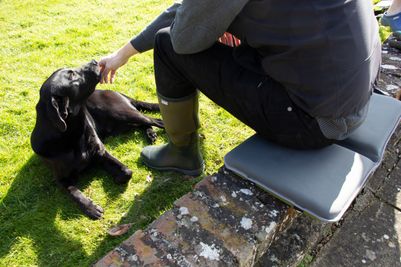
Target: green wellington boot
x=181, y=153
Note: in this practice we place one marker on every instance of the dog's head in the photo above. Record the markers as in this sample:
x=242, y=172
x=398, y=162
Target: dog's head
x=66, y=90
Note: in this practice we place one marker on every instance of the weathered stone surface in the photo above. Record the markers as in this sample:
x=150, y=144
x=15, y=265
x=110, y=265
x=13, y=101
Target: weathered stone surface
x=290, y=246
x=391, y=190
x=366, y=239
x=225, y=221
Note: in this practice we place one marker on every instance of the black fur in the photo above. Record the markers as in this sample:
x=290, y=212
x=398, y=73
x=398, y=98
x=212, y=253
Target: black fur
x=72, y=117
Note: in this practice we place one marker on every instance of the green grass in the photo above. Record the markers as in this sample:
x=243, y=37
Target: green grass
x=39, y=224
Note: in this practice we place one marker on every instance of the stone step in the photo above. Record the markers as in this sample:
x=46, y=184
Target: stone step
x=224, y=221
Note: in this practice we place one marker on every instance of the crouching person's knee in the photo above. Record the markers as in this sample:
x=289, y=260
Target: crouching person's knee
x=163, y=40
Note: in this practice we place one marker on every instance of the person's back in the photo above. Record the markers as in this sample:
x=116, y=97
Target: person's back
x=325, y=53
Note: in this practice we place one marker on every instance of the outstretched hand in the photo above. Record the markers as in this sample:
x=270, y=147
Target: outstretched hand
x=108, y=67
x=110, y=63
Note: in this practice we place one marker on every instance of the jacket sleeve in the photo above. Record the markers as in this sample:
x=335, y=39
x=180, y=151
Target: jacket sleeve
x=144, y=41
x=199, y=23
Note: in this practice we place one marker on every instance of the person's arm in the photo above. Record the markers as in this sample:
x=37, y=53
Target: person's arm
x=142, y=42
x=199, y=24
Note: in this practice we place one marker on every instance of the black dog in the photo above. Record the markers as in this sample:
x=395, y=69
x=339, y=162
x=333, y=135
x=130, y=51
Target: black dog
x=71, y=115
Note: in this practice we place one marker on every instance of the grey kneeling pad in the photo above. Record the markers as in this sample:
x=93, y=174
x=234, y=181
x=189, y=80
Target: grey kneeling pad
x=321, y=182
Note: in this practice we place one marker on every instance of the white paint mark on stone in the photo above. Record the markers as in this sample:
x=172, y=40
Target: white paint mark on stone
x=184, y=211
x=386, y=237
x=169, y=257
x=194, y=219
x=273, y=213
x=223, y=198
x=363, y=261
x=273, y=258
x=384, y=52
x=395, y=58
x=389, y=67
x=365, y=237
x=297, y=237
x=233, y=194
x=210, y=252
x=271, y=226
x=371, y=255
x=133, y=258
x=246, y=223
x=246, y=191
x=391, y=87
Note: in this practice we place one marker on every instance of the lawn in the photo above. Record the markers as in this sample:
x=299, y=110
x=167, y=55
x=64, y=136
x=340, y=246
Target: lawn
x=39, y=224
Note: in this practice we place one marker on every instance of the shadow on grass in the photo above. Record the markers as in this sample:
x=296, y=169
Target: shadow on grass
x=33, y=204
x=29, y=210
x=158, y=197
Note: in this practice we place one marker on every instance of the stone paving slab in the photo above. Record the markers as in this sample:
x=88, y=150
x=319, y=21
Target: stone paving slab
x=391, y=190
x=369, y=238
x=290, y=246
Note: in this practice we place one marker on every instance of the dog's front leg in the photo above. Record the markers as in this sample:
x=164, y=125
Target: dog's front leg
x=119, y=171
x=66, y=168
x=92, y=142
x=86, y=204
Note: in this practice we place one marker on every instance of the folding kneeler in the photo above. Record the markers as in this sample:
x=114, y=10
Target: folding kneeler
x=320, y=182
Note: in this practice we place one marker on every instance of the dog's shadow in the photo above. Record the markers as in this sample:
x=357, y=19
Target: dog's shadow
x=29, y=210
x=33, y=205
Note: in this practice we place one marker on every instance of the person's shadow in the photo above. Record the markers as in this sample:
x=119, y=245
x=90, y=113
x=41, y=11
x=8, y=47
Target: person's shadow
x=34, y=203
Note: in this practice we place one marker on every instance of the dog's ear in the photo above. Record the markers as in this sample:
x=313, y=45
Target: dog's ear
x=57, y=111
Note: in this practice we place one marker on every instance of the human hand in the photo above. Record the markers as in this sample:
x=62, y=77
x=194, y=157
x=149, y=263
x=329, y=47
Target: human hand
x=110, y=63
x=229, y=39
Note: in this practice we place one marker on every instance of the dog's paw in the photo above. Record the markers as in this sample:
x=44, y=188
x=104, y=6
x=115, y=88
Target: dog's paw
x=124, y=176
x=151, y=135
x=159, y=123
x=94, y=211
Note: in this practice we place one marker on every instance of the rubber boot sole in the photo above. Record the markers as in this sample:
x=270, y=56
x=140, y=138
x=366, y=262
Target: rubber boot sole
x=194, y=173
